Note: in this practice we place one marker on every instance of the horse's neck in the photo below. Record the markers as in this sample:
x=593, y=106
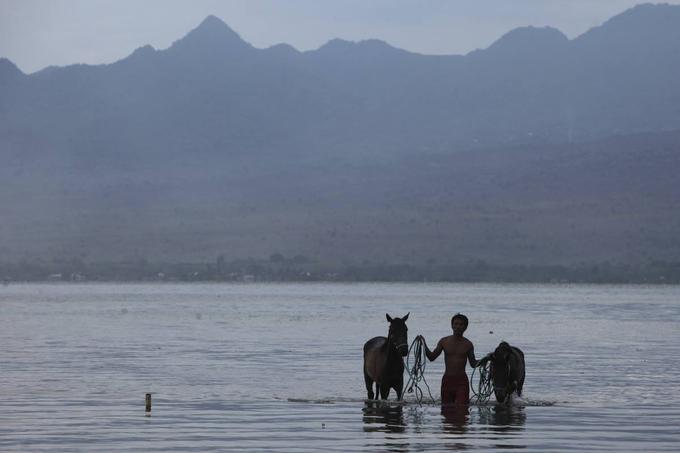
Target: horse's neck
x=389, y=346
x=391, y=351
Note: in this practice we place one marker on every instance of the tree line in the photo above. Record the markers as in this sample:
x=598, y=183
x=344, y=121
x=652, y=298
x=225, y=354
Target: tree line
x=278, y=268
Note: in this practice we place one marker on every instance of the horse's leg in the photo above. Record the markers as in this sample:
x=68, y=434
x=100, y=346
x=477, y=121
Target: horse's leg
x=399, y=388
x=369, y=385
x=519, y=387
x=384, y=391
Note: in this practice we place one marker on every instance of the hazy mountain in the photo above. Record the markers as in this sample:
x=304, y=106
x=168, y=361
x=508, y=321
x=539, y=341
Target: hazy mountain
x=536, y=149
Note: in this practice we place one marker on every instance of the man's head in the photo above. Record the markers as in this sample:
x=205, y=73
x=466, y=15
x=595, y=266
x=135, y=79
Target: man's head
x=459, y=323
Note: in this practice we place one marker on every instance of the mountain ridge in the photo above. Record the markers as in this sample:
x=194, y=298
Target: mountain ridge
x=529, y=39
x=212, y=28
x=358, y=151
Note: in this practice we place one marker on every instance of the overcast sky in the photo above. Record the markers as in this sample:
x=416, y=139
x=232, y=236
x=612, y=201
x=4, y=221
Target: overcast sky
x=39, y=33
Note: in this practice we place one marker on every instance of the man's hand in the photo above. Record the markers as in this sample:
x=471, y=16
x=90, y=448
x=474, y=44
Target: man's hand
x=486, y=358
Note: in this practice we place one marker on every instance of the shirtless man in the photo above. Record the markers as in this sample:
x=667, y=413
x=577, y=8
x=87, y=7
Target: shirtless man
x=457, y=351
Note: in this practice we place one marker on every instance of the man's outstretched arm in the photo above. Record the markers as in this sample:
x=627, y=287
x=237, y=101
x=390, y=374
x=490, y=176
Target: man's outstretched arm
x=474, y=363
x=432, y=355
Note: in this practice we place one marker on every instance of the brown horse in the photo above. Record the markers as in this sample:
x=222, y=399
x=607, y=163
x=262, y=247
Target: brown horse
x=383, y=360
x=507, y=371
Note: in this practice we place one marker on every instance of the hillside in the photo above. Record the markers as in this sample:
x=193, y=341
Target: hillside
x=539, y=149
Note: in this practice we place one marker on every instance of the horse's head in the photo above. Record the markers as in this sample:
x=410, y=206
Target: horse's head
x=398, y=334
x=504, y=378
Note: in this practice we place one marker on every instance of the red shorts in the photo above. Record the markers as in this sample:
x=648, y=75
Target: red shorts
x=455, y=389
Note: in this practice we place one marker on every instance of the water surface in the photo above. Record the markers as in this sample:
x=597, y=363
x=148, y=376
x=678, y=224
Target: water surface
x=277, y=367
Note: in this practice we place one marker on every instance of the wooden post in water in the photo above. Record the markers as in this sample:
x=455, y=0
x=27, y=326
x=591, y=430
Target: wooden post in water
x=148, y=404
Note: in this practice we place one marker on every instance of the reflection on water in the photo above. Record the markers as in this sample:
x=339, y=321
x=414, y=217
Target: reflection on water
x=502, y=423
x=455, y=421
x=495, y=422
x=502, y=418
x=383, y=417
x=379, y=416
x=461, y=427
x=455, y=418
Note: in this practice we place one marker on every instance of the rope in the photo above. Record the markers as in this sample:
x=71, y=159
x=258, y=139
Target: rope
x=485, y=385
x=416, y=372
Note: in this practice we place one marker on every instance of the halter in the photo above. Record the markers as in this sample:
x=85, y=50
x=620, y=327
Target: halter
x=389, y=341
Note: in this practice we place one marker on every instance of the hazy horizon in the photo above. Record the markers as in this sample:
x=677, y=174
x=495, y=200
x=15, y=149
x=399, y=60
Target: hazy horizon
x=35, y=34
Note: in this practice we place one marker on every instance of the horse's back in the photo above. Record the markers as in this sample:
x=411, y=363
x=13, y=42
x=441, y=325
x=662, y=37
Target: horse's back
x=520, y=358
x=373, y=344
x=374, y=360
x=518, y=351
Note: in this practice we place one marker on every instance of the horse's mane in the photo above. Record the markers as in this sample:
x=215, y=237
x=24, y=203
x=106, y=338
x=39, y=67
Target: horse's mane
x=504, y=346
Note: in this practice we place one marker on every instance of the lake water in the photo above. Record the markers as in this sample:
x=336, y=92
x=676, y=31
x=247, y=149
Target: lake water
x=278, y=367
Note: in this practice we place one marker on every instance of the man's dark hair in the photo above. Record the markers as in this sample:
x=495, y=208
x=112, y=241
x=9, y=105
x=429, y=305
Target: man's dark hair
x=461, y=317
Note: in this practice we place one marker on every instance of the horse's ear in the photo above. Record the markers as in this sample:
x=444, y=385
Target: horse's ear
x=389, y=318
x=406, y=317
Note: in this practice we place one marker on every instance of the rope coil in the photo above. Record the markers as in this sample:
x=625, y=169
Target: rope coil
x=416, y=372
x=485, y=384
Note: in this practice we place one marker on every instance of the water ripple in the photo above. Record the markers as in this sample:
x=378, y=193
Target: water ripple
x=278, y=368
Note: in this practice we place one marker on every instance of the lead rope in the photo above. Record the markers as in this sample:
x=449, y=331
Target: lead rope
x=484, y=386
x=416, y=372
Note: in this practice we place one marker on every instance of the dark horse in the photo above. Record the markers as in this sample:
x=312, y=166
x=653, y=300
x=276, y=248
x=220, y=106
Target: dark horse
x=507, y=371
x=383, y=360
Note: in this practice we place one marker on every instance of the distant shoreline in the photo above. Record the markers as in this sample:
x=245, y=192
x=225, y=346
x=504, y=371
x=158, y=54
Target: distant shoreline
x=251, y=270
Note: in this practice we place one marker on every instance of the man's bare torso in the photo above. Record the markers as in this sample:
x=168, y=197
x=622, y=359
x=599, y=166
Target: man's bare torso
x=456, y=352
